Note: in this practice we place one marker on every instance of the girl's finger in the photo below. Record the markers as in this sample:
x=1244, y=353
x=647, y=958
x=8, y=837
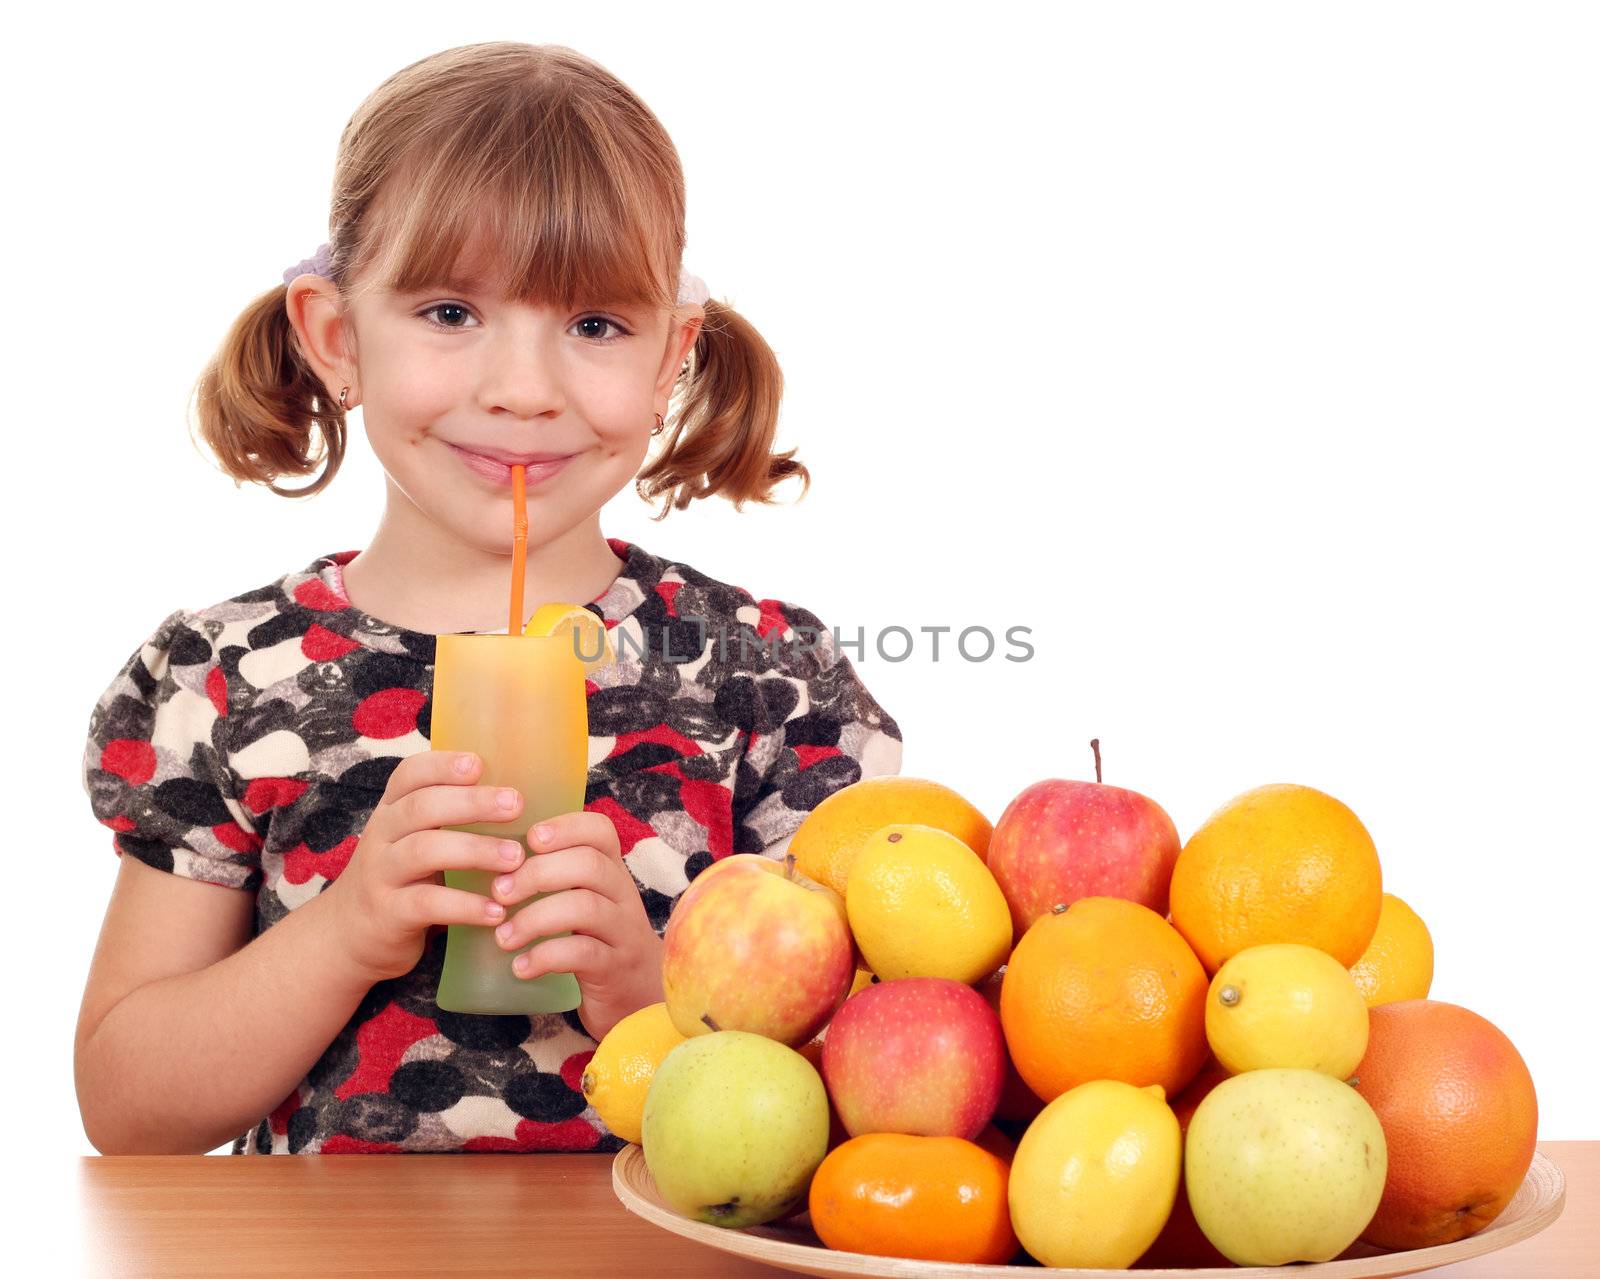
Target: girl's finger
x=422, y=854
x=568, y=830
x=436, y=806
x=583, y=956
x=419, y=905
x=581, y=867
x=575, y=911
x=431, y=768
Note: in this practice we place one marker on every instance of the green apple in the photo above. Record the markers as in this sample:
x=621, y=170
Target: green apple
x=1284, y=1165
x=734, y=1126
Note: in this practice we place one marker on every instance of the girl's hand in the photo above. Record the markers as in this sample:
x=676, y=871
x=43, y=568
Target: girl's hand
x=392, y=889
x=614, y=951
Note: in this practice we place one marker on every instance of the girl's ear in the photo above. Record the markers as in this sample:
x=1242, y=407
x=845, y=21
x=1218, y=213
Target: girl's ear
x=684, y=335
x=322, y=332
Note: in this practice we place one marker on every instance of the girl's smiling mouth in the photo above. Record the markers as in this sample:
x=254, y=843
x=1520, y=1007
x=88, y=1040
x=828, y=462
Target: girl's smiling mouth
x=536, y=467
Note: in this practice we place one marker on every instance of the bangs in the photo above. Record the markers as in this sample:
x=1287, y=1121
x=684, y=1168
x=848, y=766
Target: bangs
x=541, y=209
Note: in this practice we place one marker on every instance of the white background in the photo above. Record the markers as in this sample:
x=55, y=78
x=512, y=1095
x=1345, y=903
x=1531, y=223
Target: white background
x=1245, y=353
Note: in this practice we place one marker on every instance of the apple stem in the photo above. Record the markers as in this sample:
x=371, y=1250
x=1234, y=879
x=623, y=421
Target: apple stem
x=707, y=1019
x=1094, y=745
x=788, y=866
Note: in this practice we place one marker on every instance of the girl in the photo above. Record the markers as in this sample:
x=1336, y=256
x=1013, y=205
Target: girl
x=502, y=284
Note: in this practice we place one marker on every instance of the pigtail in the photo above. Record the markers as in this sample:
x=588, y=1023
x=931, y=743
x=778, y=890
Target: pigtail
x=261, y=408
x=719, y=441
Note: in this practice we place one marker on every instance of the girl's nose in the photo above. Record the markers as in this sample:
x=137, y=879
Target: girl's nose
x=521, y=373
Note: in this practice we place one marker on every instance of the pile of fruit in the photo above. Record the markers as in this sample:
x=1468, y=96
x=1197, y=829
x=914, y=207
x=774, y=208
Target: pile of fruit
x=1069, y=1034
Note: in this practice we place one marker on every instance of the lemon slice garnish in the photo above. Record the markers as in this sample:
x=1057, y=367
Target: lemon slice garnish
x=566, y=619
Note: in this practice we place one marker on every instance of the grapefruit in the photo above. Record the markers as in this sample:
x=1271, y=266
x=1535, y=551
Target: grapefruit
x=1460, y=1116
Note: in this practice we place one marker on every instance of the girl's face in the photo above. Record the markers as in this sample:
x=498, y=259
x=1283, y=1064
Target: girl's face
x=455, y=386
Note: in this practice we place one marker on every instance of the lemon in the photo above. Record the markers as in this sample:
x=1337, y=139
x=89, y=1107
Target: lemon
x=826, y=843
x=588, y=631
x=1286, y=1006
x=618, y=1076
x=1095, y=1175
x=923, y=904
x=1399, y=962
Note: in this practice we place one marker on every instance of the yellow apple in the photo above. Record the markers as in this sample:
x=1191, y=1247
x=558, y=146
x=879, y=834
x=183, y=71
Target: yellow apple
x=753, y=945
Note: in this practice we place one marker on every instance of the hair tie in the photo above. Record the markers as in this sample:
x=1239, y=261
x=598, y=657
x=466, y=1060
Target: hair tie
x=319, y=263
x=691, y=288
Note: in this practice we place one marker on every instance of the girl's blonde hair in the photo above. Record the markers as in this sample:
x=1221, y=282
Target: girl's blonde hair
x=578, y=193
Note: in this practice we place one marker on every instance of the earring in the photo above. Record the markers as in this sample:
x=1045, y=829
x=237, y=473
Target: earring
x=659, y=424
x=343, y=391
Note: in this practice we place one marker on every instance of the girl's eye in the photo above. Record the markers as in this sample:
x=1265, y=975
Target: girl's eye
x=601, y=320
x=592, y=325
x=444, y=306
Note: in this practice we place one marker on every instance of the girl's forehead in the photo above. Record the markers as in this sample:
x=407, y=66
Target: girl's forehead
x=494, y=261
x=477, y=266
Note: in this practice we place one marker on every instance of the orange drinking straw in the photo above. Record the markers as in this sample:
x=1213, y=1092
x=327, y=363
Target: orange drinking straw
x=519, y=546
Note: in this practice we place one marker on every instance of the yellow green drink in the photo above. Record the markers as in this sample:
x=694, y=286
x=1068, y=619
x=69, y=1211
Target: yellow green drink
x=518, y=702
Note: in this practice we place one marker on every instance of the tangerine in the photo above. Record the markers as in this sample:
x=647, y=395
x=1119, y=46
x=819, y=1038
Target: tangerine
x=929, y=1198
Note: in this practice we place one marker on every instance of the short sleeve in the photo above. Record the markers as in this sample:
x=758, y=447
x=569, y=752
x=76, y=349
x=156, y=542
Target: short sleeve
x=818, y=729
x=155, y=765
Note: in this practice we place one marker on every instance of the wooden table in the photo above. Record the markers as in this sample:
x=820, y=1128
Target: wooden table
x=491, y=1214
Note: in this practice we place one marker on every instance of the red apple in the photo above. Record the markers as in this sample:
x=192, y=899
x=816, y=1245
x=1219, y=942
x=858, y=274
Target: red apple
x=918, y=1055
x=754, y=945
x=1061, y=840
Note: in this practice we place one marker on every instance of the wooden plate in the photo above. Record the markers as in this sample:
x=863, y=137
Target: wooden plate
x=791, y=1245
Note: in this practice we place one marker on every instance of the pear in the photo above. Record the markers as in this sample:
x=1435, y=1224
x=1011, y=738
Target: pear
x=1284, y=1165
x=734, y=1126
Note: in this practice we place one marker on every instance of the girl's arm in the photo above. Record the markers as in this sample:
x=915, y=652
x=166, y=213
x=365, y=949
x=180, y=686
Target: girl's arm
x=187, y=1034
x=190, y=1033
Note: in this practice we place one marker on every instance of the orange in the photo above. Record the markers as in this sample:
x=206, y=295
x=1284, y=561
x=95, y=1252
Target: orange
x=833, y=832
x=929, y=1198
x=1281, y=863
x=1398, y=964
x=1459, y=1115
x=1105, y=989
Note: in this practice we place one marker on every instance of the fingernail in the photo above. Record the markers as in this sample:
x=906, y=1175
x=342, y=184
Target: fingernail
x=541, y=832
x=522, y=963
x=503, y=932
x=503, y=885
x=463, y=764
x=495, y=910
x=510, y=851
x=507, y=799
